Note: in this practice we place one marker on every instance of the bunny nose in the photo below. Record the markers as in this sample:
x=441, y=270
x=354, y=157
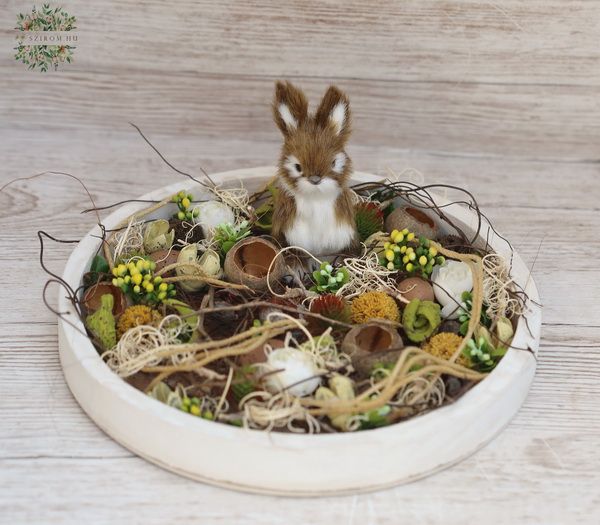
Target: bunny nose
x=314, y=179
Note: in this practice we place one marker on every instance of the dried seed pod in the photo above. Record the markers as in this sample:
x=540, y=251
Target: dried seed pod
x=341, y=388
x=370, y=344
x=209, y=264
x=92, y=299
x=249, y=260
x=158, y=236
x=417, y=221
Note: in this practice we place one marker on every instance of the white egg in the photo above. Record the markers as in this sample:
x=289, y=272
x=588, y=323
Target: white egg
x=450, y=280
x=211, y=214
x=296, y=367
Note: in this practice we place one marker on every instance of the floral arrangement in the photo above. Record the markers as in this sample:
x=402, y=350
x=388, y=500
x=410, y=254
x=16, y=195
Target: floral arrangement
x=204, y=311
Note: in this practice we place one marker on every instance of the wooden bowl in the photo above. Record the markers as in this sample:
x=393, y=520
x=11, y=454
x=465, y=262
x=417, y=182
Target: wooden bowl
x=286, y=463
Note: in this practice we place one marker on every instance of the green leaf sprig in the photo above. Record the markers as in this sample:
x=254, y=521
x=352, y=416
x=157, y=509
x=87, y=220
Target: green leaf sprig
x=378, y=417
x=329, y=280
x=98, y=269
x=227, y=235
x=482, y=355
x=465, y=314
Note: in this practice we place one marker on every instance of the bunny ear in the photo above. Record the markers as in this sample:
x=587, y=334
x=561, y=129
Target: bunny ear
x=334, y=111
x=290, y=107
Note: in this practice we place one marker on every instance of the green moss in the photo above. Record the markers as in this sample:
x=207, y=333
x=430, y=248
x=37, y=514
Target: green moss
x=102, y=323
x=420, y=319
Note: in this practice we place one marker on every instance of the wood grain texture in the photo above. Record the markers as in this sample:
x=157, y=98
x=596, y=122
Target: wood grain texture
x=536, y=42
x=499, y=97
x=476, y=77
x=492, y=119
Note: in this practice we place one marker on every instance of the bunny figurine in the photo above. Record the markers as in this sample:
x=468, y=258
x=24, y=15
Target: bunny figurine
x=314, y=208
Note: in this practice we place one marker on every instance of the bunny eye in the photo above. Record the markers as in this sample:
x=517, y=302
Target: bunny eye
x=293, y=167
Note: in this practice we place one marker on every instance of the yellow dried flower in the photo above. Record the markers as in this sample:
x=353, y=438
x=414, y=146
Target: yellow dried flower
x=444, y=345
x=374, y=305
x=135, y=316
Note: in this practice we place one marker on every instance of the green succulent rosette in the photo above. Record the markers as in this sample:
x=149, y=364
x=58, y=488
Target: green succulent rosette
x=329, y=280
x=420, y=319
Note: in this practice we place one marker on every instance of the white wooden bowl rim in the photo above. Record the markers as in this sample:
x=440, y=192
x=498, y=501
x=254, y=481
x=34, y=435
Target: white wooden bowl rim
x=283, y=463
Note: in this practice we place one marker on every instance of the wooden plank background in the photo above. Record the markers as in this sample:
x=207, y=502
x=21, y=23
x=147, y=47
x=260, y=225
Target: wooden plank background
x=500, y=97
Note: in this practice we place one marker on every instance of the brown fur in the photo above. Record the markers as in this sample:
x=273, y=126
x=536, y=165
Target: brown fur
x=315, y=142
